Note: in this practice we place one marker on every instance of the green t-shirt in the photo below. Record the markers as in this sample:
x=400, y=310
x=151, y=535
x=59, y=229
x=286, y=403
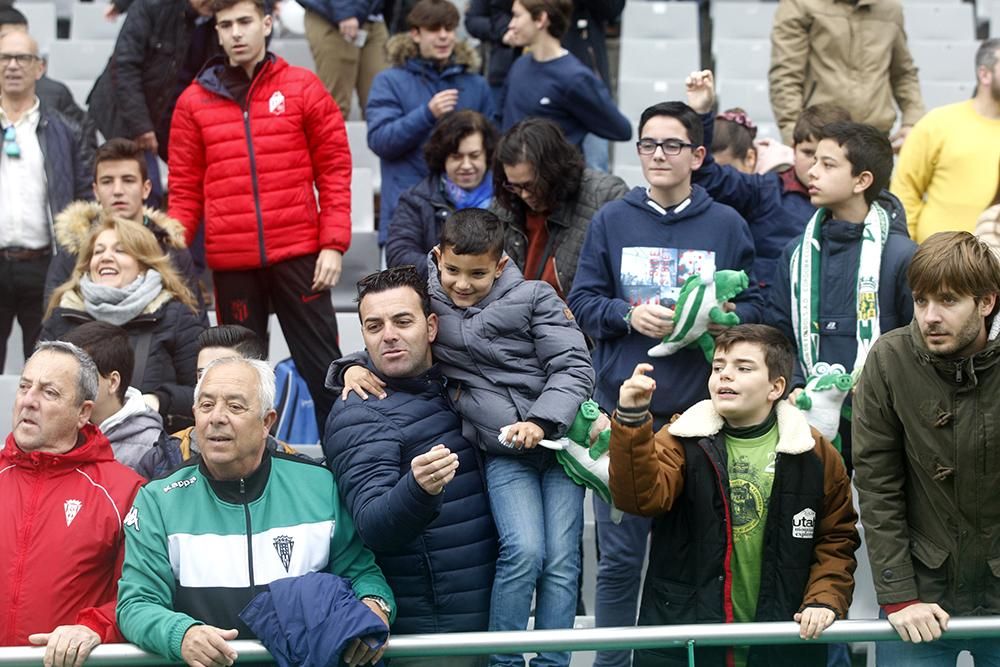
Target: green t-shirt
x=751, y=474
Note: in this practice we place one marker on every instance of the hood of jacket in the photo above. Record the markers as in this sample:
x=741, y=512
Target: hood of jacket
x=136, y=421
x=696, y=204
x=702, y=421
x=210, y=76
x=92, y=447
x=402, y=51
x=510, y=278
x=73, y=225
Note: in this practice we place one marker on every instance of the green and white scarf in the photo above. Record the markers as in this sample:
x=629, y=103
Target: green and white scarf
x=805, y=278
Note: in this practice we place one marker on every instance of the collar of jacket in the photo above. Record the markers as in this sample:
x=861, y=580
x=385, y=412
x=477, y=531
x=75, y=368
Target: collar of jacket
x=401, y=50
x=92, y=447
x=228, y=491
x=429, y=379
x=958, y=371
x=75, y=222
x=210, y=77
x=702, y=421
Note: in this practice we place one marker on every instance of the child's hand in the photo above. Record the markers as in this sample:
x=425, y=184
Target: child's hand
x=813, y=621
x=714, y=328
x=524, y=435
x=637, y=391
x=599, y=426
x=361, y=381
x=700, y=90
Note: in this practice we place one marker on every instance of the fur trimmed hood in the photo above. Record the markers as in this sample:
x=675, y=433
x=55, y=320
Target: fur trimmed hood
x=401, y=48
x=701, y=421
x=74, y=223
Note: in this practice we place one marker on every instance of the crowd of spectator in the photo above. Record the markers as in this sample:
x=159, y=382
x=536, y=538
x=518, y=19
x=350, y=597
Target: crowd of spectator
x=823, y=353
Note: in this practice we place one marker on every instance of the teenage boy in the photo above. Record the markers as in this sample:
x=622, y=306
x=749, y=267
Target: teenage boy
x=637, y=254
x=843, y=282
x=754, y=518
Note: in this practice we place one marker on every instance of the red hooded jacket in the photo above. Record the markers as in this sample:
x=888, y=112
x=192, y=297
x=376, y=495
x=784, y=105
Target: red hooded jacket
x=61, y=531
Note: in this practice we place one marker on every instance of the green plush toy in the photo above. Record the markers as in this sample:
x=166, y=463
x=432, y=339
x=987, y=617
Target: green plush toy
x=700, y=302
x=586, y=464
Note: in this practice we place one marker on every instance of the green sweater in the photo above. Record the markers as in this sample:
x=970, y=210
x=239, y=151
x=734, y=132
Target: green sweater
x=197, y=550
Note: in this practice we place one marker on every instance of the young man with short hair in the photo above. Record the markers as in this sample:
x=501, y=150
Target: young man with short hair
x=252, y=141
x=925, y=455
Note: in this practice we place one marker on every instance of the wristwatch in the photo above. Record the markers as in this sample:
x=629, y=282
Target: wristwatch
x=380, y=603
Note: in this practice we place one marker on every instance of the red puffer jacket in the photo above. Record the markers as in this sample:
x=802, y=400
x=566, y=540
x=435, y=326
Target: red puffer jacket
x=62, y=537
x=250, y=172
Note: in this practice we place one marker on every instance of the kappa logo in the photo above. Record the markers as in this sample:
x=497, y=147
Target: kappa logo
x=71, y=508
x=276, y=104
x=179, y=484
x=283, y=545
x=132, y=519
x=804, y=524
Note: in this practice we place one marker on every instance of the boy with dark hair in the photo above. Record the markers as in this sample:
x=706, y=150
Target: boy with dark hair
x=754, y=519
x=132, y=427
x=843, y=282
x=637, y=255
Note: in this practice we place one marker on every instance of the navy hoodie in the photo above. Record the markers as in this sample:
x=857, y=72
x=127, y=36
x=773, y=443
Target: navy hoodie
x=634, y=253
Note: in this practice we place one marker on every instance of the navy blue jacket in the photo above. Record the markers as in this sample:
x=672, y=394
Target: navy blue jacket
x=416, y=224
x=336, y=11
x=399, y=121
x=438, y=553
x=660, y=250
x=69, y=167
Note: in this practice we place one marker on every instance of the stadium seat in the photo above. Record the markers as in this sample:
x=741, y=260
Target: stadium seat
x=79, y=59
x=748, y=94
x=634, y=95
x=362, y=201
x=81, y=89
x=663, y=20
x=939, y=93
x=742, y=20
x=631, y=174
x=945, y=21
x=361, y=155
x=945, y=61
x=742, y=58
x=363, y=257
x=295, y=51
x=41, y=22
x=88, y=22
x=8, y=392
x=659, y=59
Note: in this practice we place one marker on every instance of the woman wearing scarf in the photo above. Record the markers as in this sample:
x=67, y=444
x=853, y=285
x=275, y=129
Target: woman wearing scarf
x=123, y=277
x=457, y=154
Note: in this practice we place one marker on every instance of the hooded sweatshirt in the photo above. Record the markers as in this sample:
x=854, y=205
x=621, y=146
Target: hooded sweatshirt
x=133, y=430
x=637, y=253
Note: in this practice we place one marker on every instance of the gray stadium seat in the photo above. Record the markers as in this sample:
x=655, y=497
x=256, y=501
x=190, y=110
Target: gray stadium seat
x=362, y=258
x=295, y=51
x=634, y=95
x=674, y=20
x=79, y=59
x=41, y=22
x=8, y=392
x=939, y=93
x=631, y=174
x=362, y=201
x=88, y=22
x=361, y=155
x=63, y=8
x=940, y=21
x=945, y=61
x=742, y=58
x=742, y=20
x=81, y=89
x=659, y=59
x=748, y=94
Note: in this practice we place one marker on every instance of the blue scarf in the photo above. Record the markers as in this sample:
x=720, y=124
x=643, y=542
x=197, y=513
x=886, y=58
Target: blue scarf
x=462, y=198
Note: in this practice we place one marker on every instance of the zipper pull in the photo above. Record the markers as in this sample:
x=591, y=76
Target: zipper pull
x=243, y=487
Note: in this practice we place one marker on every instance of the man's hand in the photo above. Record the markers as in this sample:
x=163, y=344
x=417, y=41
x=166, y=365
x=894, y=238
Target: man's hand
x=714, y=328
x=653, y=320
x=67, y=645
x=349, y=29
x=360, y=651
x=900, y=137
x=434, y=469
x=524, y=435
x=700, y=90
x=327, y=273
x=813, y=621
x=920, y=622
x=443, y=102
x=205, y=646
x=637, y=391
x=362, y=381
x=147, y=140
x=111, y=12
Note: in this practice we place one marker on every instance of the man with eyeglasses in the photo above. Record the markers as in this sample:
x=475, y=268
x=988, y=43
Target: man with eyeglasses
x=638, y=252
x=42, y=169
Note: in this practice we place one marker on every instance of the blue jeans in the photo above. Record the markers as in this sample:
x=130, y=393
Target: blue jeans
x=622, y=551
x=595, y=152
x=538, y=511
x=939, y=653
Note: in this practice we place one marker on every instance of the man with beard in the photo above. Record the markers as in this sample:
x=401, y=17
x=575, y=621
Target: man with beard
x=925, y=455
x=947, y=171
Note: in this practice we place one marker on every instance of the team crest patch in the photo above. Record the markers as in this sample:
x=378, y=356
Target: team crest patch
x=71, y=508
x=283, y=545
x=867, y=303
x=804, y=524
x=132, y=519
x=276, y=104
x=568, y=313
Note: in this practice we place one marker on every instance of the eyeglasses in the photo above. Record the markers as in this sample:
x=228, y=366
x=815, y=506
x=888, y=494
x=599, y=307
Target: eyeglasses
x=10, y=147
x=22, y=59
x=397, y=276
x=669, y=146
x=518, y=188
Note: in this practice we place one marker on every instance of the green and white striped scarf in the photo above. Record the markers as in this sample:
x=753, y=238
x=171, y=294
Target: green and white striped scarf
x=805, y=278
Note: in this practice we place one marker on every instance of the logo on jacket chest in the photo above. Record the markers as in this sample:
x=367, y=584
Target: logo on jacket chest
x=804, y=524
x=283, y=545
x=276, y=104
x=72, y=508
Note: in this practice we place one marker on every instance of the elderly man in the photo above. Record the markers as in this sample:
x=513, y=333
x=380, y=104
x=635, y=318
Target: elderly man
x=64, y=498
x=205, y=540
x=393, y=460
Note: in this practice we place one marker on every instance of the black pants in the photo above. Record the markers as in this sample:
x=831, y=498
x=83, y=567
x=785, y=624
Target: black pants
x=307, y=318
x=22, y=287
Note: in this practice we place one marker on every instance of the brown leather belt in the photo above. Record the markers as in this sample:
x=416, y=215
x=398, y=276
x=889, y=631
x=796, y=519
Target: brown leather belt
x=15, y=254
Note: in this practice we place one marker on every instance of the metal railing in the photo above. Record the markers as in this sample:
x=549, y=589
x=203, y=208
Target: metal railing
x=591, y=639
